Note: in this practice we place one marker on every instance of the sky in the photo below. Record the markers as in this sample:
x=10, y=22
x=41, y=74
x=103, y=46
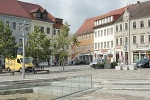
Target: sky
x=75, y=12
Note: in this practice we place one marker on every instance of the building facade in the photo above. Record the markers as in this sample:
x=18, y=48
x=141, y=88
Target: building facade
x=85, y=36
x=104, y=35
x=133, y=41
x=33, y=14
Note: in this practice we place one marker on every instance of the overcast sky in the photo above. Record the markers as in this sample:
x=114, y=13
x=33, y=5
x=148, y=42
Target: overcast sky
x=75, y=12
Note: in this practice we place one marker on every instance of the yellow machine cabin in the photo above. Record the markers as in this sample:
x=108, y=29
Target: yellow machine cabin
x=16, y=64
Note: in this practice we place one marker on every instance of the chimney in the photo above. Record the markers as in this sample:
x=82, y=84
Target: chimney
x=138, y=2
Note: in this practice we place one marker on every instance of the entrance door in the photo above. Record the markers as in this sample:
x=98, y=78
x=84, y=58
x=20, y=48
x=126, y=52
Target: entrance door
x=126, y=58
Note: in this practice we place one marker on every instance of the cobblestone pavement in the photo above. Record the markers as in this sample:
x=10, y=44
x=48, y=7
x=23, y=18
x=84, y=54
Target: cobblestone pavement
x=97, y=75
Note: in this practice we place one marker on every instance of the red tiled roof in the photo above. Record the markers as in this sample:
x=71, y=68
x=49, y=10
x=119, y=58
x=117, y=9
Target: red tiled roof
x=137, y=11
x=88, y=24
x=34, y=10
x=11, y=7
x=28, y=7
x=22, y=9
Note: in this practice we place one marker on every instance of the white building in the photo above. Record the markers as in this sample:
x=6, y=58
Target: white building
x=104, y=35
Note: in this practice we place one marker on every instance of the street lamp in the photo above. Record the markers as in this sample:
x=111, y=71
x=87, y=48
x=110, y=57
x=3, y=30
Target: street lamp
x=24, y=25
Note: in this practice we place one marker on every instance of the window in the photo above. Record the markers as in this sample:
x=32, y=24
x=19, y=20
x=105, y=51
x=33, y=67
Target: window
x=20, y=41
x=126, y=26
x=92, y=46
x=14, y=25
x=148, y=38
x=108, y=44
x=142, y=23
x=142, y=38
x=7, y=22
x=134, y=39
x=98, y=34
x=108, y=32
x=104, y=44
x=120, y=41
x=95, y=34
x=111, y=31
x=42, y=29
x=95, y=45
x=54, y=32
x=98, y=45
x=126, y=40
x=38, y=15
x=44, y=16
x=101, y=45
x=58, y=32
x=116, y=41
x=111, y=43
x=148, y=23
x=101, y=33
x=134, y=24
x=120, y=27
x=48, y=30
x=105, y=32
x=116, y=28
x=20, y=25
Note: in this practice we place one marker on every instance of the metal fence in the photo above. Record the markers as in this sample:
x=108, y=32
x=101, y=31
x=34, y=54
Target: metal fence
x=44, y=89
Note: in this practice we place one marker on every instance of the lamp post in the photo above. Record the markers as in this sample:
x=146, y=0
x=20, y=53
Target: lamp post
x=24, y=25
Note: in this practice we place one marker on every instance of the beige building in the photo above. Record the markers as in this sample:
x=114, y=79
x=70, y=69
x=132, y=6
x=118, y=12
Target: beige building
x=85, y=36
x=132, y=33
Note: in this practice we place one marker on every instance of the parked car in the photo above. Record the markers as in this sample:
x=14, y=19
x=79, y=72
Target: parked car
x=79, y=62
x=144, y=63
x=96, y=61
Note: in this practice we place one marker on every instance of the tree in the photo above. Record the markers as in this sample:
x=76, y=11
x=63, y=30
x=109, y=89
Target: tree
x=8, y=45
x=38, y=45
x=62, y=41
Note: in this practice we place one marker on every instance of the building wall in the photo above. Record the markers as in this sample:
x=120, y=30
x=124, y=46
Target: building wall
x=138, y=50
x=99, y=38
x=16, y=32
x=85, y=49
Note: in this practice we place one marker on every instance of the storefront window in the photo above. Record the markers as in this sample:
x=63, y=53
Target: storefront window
x=148, y=54
x=135, y=57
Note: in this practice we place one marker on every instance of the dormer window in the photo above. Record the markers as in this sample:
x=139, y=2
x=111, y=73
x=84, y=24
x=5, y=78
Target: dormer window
x=38, y=15
x=44, y=16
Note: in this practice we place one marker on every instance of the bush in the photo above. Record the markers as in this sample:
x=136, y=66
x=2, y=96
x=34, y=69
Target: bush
x=114, y=64
x=100, y=65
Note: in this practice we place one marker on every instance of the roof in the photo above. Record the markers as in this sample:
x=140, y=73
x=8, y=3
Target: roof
x=12, y=7
x=137, y=10
x=88, y=24
x=23, y=9
x=28, y=7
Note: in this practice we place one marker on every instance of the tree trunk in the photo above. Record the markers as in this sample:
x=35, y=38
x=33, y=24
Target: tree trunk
x=48, y=62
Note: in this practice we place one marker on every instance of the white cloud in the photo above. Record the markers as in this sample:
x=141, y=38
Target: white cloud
x=75, y=12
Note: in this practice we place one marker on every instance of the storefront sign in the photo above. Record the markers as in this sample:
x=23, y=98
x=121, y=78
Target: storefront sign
x=119, y=47
x=142, y=46
x=104, y=50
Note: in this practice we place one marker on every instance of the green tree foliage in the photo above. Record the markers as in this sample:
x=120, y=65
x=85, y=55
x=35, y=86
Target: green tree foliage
x=63, y=40
x=8, y=46
x=38, y=45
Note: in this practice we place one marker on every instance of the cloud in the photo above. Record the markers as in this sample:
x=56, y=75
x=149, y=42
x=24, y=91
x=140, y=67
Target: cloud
x=75, y=12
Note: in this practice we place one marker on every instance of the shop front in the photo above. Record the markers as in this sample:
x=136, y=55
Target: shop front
x=139, y=53
x=104, y=54
x=86, y=56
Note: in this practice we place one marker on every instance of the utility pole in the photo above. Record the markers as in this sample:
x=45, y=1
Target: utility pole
x=24, y=25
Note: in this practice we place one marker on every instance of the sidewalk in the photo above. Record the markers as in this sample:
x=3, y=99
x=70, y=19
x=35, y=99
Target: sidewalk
x=105, y=79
